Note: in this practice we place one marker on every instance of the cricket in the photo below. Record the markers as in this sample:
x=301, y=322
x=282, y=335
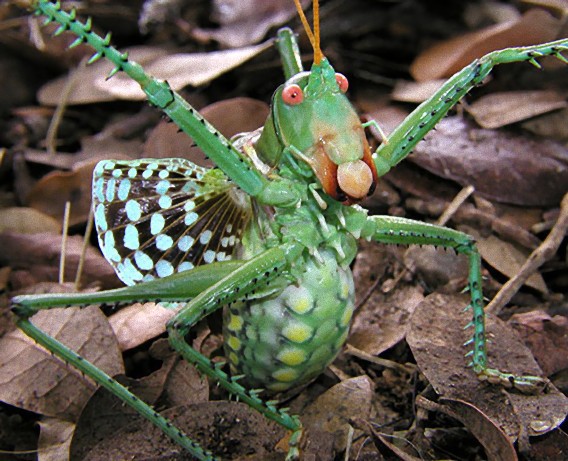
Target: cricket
x=269, y=234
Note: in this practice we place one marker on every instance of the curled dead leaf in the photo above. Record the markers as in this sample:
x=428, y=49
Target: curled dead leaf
x=500, y=165
x=230, y=117
x=134, y=325
x=446, y=58
x=179, y=69
x=507, y=259
x=247, y=21
x=32, y=379
x=51, y=192
x=500, y=109
x=331, y=411
x=437, y=330
x=27, y=221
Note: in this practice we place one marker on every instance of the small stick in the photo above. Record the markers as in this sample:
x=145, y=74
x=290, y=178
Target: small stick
x=66, y=214
x=88, y=231
x=455, y=204
x=51, y=135
x=402, y=368
x=537, y=258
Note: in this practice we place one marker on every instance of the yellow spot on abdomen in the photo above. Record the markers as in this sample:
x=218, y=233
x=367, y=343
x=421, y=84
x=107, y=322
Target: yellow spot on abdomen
x=278, y=387
x=292, y=356
x=299, y=299
x=234, y=343
x=233, y=358
x=235, y=323
x=285, y=375
x=297, y=332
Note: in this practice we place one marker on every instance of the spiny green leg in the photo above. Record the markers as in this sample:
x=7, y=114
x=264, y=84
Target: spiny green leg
x=390, y=229
x=255, y=273
x=227, y=158
x=104, y=380
x=403, y=139
x=176, y=288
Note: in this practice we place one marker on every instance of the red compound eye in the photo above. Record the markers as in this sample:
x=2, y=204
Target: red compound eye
x=292, y=95
x=342, y=82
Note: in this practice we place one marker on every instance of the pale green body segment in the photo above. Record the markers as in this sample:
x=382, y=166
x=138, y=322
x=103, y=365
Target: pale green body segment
x=287, y=340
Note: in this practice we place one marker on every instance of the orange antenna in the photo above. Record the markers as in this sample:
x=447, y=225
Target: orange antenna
x=314, y=37
x=316, y=45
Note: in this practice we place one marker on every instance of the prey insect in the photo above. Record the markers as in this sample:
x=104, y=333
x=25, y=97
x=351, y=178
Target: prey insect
x=269, y=234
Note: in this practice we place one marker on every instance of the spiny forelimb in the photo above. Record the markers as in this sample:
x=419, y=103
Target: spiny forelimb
x=424, y=118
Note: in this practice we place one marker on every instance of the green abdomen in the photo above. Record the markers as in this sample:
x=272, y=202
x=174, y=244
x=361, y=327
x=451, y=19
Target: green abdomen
x=289, y=339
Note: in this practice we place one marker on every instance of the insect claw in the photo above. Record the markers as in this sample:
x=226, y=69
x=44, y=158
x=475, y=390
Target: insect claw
x=47, y=21
x=469, y=325
x=88, y=24
x=467, y=343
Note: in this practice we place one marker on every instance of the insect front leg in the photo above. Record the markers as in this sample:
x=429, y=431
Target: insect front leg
x=390, y=229
x=425, y=117
x=226, y=157
x=237, y=286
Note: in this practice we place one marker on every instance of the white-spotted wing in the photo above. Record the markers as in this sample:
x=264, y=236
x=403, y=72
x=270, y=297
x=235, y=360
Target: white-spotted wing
x=156, y=217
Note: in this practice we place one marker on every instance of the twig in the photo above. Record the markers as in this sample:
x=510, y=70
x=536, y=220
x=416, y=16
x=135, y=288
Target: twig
x=455, y=204
x=537, y=258
x=50, y=137
x=66, y=214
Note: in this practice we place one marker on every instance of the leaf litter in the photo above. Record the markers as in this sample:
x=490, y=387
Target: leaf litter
x=368, y=395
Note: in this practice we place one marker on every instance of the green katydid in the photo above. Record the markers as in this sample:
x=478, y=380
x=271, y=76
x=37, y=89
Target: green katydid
x=269, y=235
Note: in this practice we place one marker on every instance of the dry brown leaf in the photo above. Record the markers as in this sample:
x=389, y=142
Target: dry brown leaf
x=27, y=221
x=504, y=166
x=51, y=192
x=383, y=321
x=230, y=117
x=180, y=70
x=507, y=259
x=134, y=325
x=247, y=21
x=552, y=126
x=39, y=254
x=185, y=385
x=560, y=7
x=546, y=336
x=415, y=92
x=55, y=437
x=446, y=58
x=330, y=412
x=500, y=109
x=497, y=445
x=30, y=378
x=435, y=335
